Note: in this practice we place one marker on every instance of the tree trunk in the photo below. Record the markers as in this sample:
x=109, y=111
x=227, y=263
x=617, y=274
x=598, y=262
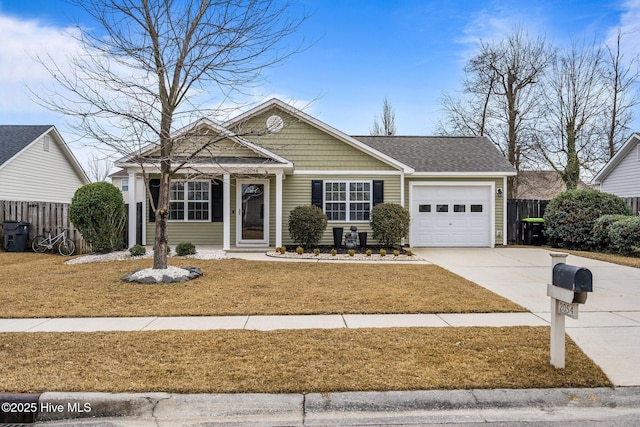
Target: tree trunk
x=571, y=174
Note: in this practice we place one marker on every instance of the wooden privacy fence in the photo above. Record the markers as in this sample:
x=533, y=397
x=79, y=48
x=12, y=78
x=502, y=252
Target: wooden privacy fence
x=517, y=210
x=634, y=204
x=43, y=216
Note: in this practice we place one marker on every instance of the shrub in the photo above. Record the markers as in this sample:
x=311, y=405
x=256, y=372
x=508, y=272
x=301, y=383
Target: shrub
x=283, y=250
x=390, y=223
x=409, y=252
x=316, y=251
x=185, y=248
x=334, y=252
x=368, y=252
x=571, y=215
x=351, y=252
x=601, y=230
x=383, y=252
x=137, y=250
x=306, y=225
x=299, y=250
x=396, y=252
x=624, y=234
x=97, y=211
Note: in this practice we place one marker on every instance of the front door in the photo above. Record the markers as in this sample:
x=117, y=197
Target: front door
x=253, y=212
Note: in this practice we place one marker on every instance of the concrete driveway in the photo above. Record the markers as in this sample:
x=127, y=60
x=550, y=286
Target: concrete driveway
x=608, y=328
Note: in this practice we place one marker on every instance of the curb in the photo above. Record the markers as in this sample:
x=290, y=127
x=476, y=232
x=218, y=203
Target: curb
x=310, y=409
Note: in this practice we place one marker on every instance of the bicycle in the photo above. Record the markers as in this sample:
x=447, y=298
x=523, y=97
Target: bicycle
x=41, y=243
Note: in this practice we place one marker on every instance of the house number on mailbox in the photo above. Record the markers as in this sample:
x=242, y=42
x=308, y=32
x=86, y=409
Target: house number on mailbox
x=567, y=309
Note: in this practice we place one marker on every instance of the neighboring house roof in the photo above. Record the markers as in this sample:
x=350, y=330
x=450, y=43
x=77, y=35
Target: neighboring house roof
x=611, y=165
x=442, y=154
x=15, y=138
x=541, y=185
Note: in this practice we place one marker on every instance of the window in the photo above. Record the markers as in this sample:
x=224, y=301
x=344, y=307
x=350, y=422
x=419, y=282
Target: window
x=424, y=208
x=459, y=208
x=476, y=208
x=442, y=208
x=189, y=201
x=124, y=184
x=347, y=200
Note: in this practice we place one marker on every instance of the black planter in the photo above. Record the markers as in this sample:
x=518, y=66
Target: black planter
x=362, y=237
x=337, y=236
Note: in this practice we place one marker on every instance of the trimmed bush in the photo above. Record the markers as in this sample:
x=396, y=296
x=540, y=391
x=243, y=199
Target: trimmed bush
x=624, y=234
x=601, y=230
x=185, y=248
x=306, y=225
x=137, y=250
x=97, y=211
x=390, y=223
x=570, y=217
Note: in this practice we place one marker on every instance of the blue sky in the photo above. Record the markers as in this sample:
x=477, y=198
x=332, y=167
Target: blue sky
x=409, y=51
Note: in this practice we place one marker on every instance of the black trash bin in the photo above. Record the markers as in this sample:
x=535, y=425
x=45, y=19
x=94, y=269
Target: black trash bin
x=532, y=231
x=16, y=234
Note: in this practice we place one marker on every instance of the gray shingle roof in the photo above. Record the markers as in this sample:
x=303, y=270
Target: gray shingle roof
x=14, y=138
x=441, y=153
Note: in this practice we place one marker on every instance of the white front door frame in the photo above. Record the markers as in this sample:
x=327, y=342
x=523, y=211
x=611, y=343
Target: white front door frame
x=239, y=213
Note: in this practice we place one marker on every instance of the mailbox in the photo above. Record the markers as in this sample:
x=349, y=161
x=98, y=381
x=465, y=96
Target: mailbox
x=578, y=280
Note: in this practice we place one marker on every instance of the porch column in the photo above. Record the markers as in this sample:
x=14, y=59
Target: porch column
x=132, y=209
x=226, y=212
x=278, y=209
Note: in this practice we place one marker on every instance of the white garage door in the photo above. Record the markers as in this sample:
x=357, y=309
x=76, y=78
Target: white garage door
x=451, y=216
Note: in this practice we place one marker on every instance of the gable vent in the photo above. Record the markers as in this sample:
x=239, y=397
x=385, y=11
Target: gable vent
x=46, y=141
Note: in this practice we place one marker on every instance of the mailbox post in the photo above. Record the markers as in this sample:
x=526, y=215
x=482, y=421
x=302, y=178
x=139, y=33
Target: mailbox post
x=569, y=287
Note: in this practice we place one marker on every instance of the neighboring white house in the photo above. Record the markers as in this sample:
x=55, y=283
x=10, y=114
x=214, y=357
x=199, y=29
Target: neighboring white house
x=37, y=165
x=621, y=175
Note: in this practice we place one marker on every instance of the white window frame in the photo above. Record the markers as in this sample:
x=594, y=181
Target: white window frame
x=185, y=201
x=348, y=200
x=124, y=184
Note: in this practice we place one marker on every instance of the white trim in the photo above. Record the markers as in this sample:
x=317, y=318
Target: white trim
x=492, y=202
x=504, y=211
x=278, y=210
x=214, y=169
x=239, y=241
x=462, y=174
x=226, y=212
x=402, y=190
x=348, y=200
x=345, y=172
x=132, y=208
x=320, y=125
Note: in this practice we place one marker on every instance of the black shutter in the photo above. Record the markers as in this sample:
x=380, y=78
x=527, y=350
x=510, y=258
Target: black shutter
x=378, y=192
x=217, y=207
x=317, y=193
x=154, y=190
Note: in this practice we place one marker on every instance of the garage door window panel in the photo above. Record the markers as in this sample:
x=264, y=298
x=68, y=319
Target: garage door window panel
x=459, y=208
x=442, y=208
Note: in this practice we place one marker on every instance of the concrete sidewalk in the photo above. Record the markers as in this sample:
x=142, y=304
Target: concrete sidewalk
x=608, y=327
x=268, y=323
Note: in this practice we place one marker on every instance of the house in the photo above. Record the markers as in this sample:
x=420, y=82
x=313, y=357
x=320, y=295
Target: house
x=37, y=165
x=621, y=175
x=541, y=185
x=274, y=157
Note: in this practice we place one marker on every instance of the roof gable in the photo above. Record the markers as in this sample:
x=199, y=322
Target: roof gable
x=443, y=154
x=238, y=121
x=622, y=153
x=15, y=138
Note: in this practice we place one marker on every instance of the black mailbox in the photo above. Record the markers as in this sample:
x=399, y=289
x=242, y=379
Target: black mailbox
x=573, y=278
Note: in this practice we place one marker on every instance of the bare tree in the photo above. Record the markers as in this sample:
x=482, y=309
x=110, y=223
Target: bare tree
x=501, y=88
x=98, y=168
x=620, y=78
x=575, y=100
x=387, y=124
x=153, y=65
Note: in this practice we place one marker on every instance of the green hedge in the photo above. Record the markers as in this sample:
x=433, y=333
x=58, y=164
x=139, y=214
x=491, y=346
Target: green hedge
x=390, y=223
x=624, y=234
x=307, y=224
x=570, y=217
x=601, y=230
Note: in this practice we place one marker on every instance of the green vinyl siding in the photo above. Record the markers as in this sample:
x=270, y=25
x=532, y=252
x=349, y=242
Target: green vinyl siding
x=297, y=191
x=308, y=147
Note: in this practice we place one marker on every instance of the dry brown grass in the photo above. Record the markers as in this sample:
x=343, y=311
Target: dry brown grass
x=629, y=261
x=35, y=285
x=290, y=361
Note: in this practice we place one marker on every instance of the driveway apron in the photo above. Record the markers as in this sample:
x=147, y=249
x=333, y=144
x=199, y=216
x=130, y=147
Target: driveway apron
x=608, y=327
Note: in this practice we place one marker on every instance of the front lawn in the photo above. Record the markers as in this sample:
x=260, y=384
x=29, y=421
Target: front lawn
x=295, y=361
x=35, y=285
